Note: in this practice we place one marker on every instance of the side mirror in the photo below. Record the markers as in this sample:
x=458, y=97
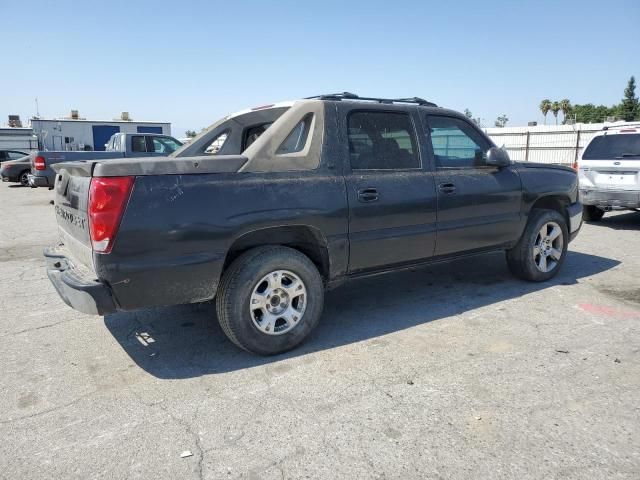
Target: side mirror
x=498, y=157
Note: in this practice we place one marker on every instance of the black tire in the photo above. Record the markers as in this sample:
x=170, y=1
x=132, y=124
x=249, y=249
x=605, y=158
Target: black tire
x=522, y=259
x=591, y=213
x=237, y=285
x=22, y=178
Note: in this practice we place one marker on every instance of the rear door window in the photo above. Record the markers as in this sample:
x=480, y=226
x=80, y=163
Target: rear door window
x=382, y=141
x=15, y=155
x=138, y=143
x=621, y=146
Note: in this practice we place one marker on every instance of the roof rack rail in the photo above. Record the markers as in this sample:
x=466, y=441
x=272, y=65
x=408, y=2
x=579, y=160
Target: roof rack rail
x=353, y=96
x=621, y=125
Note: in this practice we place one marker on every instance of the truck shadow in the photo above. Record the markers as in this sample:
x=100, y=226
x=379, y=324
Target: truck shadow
x=619, y=221
x=185, y=341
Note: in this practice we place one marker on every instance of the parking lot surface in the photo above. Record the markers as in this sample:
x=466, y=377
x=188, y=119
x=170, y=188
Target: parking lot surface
x=451, y=371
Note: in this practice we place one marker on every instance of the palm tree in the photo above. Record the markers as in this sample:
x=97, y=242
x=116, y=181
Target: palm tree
x=555, y=108
x=545, y=106
x=565, y=106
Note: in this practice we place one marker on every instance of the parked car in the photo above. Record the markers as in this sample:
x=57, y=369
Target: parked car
x=609, y=171
x=16, y=170
x=300, y=197
x=120, y=145
x=7, y=155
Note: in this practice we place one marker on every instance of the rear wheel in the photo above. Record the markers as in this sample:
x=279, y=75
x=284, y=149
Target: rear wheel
x=540, y=252
x=591, y=213
x=270, y=299
x=23, y=178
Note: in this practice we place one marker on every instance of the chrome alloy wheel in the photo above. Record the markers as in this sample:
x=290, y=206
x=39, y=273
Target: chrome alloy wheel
x=548, y=247
x=278, y=302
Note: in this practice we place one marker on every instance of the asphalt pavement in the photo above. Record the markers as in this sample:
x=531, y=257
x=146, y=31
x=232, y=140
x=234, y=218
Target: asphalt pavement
x=455, y=370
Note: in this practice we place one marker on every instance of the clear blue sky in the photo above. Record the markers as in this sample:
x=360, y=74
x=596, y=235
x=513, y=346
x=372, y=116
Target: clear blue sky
x=191, y=62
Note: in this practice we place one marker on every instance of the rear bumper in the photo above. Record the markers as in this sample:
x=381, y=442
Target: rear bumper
x=35, y=181
x=610, y=198
x=574, y=211
x=78, y=290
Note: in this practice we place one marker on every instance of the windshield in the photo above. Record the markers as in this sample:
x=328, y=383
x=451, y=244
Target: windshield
x=613, y=147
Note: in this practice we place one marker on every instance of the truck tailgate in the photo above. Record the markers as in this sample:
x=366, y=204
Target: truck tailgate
x=71, y=201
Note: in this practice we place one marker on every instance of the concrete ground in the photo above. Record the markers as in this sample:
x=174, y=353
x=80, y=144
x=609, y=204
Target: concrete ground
x=452, y=371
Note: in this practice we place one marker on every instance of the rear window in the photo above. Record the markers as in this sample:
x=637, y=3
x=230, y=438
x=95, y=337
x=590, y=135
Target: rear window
x=613, y=147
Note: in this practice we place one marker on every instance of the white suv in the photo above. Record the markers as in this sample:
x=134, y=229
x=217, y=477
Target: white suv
x=609, y=171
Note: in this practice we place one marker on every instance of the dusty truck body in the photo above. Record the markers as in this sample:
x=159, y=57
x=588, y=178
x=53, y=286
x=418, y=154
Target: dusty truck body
x=269, y=207
x=120, y=145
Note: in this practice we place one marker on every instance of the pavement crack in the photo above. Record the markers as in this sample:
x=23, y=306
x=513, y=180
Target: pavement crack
x=41, y=327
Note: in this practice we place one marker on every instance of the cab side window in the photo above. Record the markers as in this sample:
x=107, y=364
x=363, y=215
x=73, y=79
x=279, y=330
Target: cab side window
x=456, y=144
x=138, y=143
x=382, y=141
x=164, y=145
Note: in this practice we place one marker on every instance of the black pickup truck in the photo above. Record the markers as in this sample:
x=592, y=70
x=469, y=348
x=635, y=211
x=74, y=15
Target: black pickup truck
x=269, y=207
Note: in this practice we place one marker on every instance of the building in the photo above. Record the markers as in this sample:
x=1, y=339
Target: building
x=75, y=133
x=14, y=138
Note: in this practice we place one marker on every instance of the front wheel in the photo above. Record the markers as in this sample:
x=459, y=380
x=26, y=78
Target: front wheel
x=591, y=213
x=270, y=299
x=541, y=251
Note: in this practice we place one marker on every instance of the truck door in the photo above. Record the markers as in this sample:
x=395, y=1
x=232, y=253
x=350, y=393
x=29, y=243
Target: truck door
x=391, y=196
x=479, y=206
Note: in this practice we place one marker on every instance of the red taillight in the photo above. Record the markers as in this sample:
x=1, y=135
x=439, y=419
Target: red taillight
x=39, y=163
x=107, y=199
x=575, y=166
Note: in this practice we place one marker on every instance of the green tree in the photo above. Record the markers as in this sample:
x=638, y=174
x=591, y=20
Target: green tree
x=190, y=133
x=629, y=109
x=501, y=121
x=565, y=106
x=545, y=106
x=590, y=113
x=555, y=108
x=469, y=115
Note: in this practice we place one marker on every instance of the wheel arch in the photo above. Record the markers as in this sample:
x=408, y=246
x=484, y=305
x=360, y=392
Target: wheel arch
x=306, y=239
x=556, y=202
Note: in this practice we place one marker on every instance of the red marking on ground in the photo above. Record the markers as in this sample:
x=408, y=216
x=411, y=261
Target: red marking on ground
x=607, y=311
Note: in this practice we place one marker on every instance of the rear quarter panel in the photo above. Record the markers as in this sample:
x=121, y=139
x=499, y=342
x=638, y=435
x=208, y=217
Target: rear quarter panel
x=177, y=229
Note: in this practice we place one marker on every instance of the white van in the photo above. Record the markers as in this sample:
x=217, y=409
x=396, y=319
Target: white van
x=609, y=171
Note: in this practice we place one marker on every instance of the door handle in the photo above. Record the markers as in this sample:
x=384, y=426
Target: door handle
x=368, y=195
x=447, y=188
